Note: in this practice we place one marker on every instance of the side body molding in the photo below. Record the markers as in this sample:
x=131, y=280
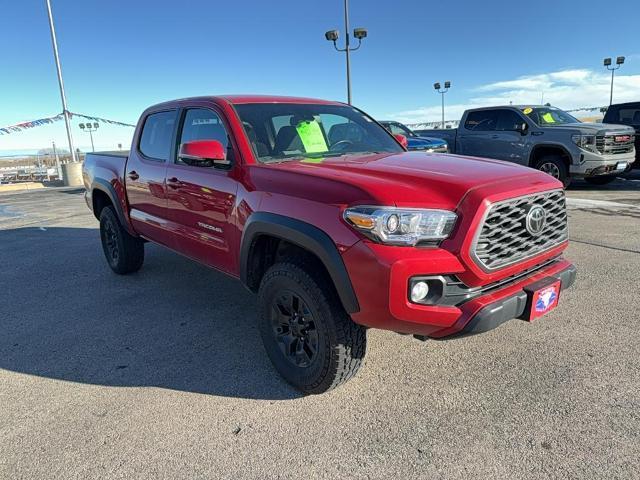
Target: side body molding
x=306, y=236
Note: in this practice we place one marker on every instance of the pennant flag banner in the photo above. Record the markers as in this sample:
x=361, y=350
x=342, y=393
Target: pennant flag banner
x=18, y=127
x=34, y=123
x=103, y=120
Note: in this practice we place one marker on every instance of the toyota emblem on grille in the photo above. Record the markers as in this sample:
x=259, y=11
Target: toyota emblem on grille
x=535, y=220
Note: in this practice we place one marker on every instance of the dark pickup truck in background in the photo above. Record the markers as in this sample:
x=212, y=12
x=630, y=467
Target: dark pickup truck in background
x=545, y=138
x=626, y=114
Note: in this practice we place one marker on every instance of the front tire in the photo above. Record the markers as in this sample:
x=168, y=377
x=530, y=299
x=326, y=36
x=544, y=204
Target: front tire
x=554, y=165
x=310, y=339
x=124, y=252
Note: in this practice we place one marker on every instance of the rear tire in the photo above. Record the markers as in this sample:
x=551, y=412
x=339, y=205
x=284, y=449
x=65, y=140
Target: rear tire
x=124, y=252
x=603, y=180
x=310, y=339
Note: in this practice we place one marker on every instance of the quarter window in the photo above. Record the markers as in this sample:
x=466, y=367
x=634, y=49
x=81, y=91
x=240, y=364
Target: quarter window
x=157, y=132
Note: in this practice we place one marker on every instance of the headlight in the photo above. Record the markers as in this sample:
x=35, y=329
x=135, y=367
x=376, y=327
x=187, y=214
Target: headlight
x=586, y=142
x=401, y=226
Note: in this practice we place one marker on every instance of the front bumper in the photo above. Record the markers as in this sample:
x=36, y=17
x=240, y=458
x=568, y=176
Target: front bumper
x=593, y=165
x=508, y=308
x=380, y=276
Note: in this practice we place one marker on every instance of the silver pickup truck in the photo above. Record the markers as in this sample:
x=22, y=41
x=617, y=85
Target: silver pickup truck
x=545, y=138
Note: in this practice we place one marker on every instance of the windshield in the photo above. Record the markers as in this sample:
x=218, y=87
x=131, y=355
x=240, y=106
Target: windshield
x=548, y=116
x=398, y=129
x=282, y=131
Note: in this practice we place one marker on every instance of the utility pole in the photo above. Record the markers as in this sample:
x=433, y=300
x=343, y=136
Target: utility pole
x=65, y=112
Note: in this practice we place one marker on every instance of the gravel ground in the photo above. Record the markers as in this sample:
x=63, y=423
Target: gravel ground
x=162, y=373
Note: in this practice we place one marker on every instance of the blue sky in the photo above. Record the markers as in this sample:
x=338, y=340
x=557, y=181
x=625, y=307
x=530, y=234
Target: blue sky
x=120, y=56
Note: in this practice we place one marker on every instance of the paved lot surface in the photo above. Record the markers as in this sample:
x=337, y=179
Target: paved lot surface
x=162, y=373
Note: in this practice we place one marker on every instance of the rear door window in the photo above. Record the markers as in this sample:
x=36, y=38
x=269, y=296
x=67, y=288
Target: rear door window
x=481, y=120
x=157, y=133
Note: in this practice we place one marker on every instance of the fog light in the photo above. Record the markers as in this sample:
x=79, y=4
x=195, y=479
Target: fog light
x=419, y=291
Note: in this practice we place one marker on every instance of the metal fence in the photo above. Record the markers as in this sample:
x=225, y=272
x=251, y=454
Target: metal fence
x=33, y=168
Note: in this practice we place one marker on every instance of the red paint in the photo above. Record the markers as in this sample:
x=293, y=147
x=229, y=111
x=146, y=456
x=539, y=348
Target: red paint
x=204, y=149
x=402, y=140
x=201, y=212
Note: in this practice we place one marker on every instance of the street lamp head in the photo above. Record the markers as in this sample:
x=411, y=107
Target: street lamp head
x=607, y=62
x=96, y=124
x=360, y=33
x=619, y=60
x=436, y=85
x=332, y=35
x=81, y=126
x=447, y=84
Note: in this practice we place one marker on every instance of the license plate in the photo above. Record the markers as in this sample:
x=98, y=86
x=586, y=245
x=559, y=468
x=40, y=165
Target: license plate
x=622, y=165
x=543, y=297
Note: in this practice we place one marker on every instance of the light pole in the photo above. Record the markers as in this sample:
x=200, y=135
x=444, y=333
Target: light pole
x=607, y=64
x=65, y=112
x=437, y=87
x=90, y=127
x=359, y=33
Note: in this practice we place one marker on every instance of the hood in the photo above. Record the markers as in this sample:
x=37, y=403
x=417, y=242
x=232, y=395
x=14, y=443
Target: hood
x=409, y=179
x=425, y=142
x=595, y=128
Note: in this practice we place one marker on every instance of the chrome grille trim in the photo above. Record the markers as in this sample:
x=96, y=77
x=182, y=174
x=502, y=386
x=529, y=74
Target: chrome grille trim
x=502, y=239
x=607, y=145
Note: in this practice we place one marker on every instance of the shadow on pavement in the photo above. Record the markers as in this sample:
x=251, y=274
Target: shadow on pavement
x=175, y=324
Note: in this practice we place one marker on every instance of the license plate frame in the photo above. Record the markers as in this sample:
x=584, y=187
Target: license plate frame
x=542, y=297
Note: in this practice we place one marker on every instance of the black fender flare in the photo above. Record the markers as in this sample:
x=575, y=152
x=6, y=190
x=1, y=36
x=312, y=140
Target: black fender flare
x=105, y=187
x=555, y=146
x=306, y=236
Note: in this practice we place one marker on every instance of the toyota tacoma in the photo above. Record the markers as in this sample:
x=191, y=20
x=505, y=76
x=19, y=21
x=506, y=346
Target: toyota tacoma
x=323, y=214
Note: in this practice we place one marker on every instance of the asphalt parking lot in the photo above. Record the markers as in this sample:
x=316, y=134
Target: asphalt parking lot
x=163, y=374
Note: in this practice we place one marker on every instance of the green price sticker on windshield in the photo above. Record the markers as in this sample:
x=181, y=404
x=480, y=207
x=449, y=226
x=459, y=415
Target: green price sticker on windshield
x=312, y=137
x=548, y=118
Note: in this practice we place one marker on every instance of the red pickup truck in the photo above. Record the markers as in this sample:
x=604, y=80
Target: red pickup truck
x=325, y=215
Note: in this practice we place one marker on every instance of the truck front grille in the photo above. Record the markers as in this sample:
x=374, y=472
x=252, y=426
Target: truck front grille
x=612, y=144
x=504, y=239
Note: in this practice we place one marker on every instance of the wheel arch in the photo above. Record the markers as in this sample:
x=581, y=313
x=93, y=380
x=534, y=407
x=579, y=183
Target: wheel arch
x=540, y=151
x=269, y=227
x=104, y=194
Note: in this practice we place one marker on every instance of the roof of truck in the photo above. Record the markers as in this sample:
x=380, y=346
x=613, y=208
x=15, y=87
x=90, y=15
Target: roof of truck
x=240, y=99
x=236, y=99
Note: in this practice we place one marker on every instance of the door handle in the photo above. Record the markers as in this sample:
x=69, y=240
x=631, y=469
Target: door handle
x=133, y=175
x=173, y=182
x=495, y=136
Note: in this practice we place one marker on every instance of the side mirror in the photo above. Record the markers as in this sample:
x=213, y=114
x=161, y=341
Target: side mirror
x=203, y=153
x=402, y=140
x=523, y=128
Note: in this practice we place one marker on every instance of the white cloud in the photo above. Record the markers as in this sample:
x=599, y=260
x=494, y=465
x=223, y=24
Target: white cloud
x=568, y=89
